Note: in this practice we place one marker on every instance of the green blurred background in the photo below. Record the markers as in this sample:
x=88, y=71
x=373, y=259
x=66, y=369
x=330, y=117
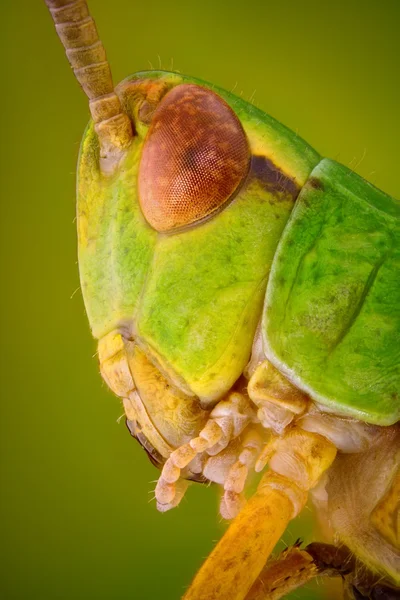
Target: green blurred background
x=77, y=516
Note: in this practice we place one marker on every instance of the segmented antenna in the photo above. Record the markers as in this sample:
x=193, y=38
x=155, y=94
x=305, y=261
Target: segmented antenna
x=78, y=34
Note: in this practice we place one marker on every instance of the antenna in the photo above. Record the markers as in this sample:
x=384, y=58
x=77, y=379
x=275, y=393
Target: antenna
x=78, y=34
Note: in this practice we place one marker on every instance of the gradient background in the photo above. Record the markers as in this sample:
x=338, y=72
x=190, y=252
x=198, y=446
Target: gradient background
x=77, y=522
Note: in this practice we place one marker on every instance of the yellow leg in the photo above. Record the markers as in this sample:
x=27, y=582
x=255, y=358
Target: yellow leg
x=236, y=561
x=238, y=558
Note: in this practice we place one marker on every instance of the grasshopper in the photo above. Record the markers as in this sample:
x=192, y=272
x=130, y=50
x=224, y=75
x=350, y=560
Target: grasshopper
x=245, y=296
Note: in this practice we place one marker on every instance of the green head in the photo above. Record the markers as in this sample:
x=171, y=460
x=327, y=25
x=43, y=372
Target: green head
x=175, y=245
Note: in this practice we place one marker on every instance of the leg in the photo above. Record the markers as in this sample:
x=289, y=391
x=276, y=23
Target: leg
x=232, y=500
x=236, y=561
x=227, y=421
x=292, y=569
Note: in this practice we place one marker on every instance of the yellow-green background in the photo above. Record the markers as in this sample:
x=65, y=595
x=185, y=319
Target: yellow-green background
x=78, y=521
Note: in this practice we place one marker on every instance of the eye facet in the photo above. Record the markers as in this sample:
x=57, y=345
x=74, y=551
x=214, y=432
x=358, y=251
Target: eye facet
x=194, y=158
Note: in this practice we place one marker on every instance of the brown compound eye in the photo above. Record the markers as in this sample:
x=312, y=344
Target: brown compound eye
x=194, y=158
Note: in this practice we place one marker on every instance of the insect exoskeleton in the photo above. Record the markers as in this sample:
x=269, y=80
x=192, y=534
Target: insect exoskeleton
x=213, y=273
x=245, y=296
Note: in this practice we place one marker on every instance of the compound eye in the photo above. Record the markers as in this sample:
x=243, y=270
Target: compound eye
x=194, y=158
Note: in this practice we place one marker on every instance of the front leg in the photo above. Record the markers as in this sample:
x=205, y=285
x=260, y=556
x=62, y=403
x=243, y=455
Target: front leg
x=227, y=421
x=237, y=560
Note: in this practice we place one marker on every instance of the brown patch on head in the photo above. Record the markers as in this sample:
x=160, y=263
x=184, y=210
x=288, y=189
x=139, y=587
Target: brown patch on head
x=271, y=178
x=194, y=158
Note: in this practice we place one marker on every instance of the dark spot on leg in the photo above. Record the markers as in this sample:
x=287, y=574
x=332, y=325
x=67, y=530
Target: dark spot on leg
x=229, y=565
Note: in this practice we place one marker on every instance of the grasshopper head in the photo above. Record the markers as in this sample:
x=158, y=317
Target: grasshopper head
x=176, y=243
